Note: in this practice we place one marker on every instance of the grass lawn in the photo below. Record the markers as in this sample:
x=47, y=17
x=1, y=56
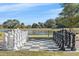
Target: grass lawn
x=40, y=36
x=37, y=53
x=1, y=35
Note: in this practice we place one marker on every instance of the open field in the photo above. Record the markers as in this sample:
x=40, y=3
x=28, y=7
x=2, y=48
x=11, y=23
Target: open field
x=37, y=53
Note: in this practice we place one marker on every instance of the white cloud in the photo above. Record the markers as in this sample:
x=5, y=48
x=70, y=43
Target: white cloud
x=15, y=7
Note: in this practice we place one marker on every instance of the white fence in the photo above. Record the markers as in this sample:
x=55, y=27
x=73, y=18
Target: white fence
x=14, y=39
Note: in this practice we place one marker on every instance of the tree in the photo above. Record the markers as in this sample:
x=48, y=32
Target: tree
x=70, y=9
x=34, y=25
x=29, y=26
x=74, y=22
x=50, y=23
x=22, y=25
x=41, y=25
x=70, y=14
x=11, y=24
x=60, y=22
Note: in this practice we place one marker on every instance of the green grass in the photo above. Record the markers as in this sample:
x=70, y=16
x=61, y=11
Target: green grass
x=1, y=36
x=40, y=36
x=37, y=53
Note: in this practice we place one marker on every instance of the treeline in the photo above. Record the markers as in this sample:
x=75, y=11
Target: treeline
x=14, y=23
x=68, y=18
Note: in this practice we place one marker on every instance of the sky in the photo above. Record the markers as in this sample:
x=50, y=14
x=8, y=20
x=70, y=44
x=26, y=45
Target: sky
x=29, y=13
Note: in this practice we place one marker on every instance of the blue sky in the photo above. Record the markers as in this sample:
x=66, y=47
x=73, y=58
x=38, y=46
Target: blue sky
x=29, y=13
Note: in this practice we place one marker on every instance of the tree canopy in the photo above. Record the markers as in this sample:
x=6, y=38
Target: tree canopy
x=70, y=14
x=11, y=23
